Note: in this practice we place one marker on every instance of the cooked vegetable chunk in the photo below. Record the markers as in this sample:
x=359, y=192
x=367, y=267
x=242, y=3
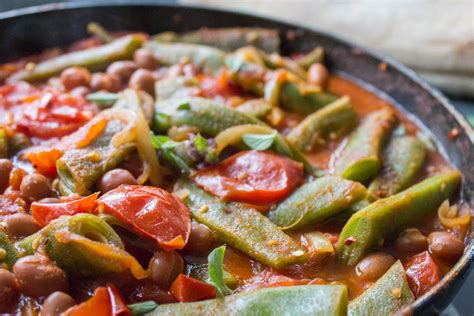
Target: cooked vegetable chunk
x=242, y=227
x=208, y=58
x=332, y=121
x=95, y=58
x=403, y=158
x=360, y=157
x=10, y=253
x=369, y=227
x=386, y=296
x=295, y=300
x=316, y=201
x=83, y=245
x=208, y=116
x=227, y=38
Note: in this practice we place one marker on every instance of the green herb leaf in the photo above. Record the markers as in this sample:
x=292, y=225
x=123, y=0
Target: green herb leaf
x=142, y=307
x=184, y=107
x=163, y=142
x=166, y=146
x=259, y=141
x=215, y=262
x=103, y=98
x=201, y=144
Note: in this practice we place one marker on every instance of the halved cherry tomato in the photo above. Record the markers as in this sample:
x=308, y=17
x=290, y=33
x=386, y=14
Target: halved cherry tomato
x=422, y=273
x=187, y=289
x=152, y=212
x=218, y=87
x=43, y=113
x=255, y=177
x=105, y=301
x=43, y=213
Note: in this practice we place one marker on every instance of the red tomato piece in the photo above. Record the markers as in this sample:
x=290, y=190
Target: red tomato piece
x=218, y=87
x=422, y=273
x=152, y=212
x=43, y=113
x=105, y=301
x=187, y=289
x=255, y=177
x=43, y=213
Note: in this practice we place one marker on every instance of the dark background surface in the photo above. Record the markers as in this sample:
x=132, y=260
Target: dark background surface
x=463, y=303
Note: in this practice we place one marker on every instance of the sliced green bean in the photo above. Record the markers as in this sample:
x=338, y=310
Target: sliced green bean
x=10, y=253
x=209, y=117
x=386, y=296
x=290, y=300
x=403, y=158
x=228, y=38
x=209, y=58
x=95, y=58
x=332, y=121
x=302, y=98
x=360, y=159
x=316, y=201
x=79, y=169
x=314, y=56
x=175, y=87
x=258, y=108
x=241, y=227
x=370, y=227
x=82, y=245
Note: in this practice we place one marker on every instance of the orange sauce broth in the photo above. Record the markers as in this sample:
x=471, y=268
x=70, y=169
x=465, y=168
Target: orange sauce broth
x=326, y=266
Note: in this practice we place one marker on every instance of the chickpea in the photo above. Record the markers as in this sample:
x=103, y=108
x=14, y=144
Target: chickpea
x=114, y=178
x=411, y=240
x=74, y=77
x=201, y=240
x=165, y=266
x=35, y=187
x=318, y=75
x=8, y=290
x=6, y=167
x=374, y=265
x=145, y=59
x=37, y=276
x=143, y=79
x=21, y=225
x=56, y=303
x=445, y=245
x=101, y=81
x=122, y=69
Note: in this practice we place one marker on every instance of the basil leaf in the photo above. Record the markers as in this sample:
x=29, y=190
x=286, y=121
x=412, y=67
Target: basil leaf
x=102, y=98
x=201, y=144
x=259, y=141
x=142, y=307
x=215, y=262
x=184, y=107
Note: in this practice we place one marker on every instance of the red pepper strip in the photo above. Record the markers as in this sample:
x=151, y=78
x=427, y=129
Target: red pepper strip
x=152, y=212
x=106, y=301
x=43, y=213
x=187, y=289
x=422, y=273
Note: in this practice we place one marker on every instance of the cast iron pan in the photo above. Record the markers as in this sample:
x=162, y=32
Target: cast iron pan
x=31, y=30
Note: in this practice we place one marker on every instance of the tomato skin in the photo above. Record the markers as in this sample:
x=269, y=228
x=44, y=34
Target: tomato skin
x=422, y=273
x=105, y=301
x=255, y=177
x=43, y=213
x=152, y=212
x=187, y=289
x=43, y=113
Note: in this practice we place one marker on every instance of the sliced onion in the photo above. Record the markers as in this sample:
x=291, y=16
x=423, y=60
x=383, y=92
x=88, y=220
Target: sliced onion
x=450, y=218
x=233, y=135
